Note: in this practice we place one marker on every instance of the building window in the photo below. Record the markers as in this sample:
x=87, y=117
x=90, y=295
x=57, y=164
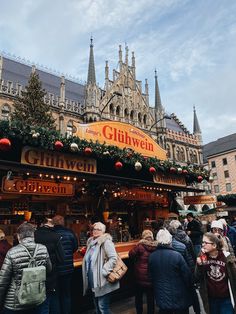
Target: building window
x=132, y=115
x=126, y=113
x=216, y=189
x=168, y=151
x=145, y=119
x=5, y=113
x=69, y=129
x=226, y=172
x=112, y=109
x=228, y=187
x=118, y=110
x=214, y=175
x=178, y=154
x=224, y=161
x=139, y=117
x=213, y=164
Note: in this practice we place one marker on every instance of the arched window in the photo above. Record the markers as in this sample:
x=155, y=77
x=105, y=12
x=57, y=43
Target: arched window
x=5, y=112
x=168, y=151
x=195, y=157
x=192, y=208
x=191, y=156
x=112, y=110
x=139, y=117
x=182, y=154
x=145, y=119
x=69, y=128
x=118, y=110
x=132, y=115
x=126, y=113
x=205, y=207
x=178, y=153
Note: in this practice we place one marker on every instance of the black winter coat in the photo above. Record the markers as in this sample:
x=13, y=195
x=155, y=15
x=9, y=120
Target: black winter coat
x=140, y=255
x=47, y=236
x=16, y=259
x=171, y=279
x=70, y=245
x=4, y=247
x=196, y=233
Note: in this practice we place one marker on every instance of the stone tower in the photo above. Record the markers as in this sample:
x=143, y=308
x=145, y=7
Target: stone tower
x=92, y=93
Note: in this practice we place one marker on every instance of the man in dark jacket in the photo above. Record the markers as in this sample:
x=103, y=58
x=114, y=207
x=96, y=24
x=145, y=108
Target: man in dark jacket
x=171, y=277
x=66, y=269
x=16, y=260
x=194, y=232
x=46, y=235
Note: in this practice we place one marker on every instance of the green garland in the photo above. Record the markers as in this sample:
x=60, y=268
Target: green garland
x=228, y=199
x=46, y=138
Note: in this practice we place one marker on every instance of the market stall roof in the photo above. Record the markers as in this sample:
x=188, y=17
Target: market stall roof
x=185, y=212
x=17, y=167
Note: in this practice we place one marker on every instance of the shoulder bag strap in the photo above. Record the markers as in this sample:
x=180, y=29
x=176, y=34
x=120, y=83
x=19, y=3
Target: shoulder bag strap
x=32, y=261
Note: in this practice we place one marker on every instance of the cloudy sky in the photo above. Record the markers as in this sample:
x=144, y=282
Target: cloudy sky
x=191, y=43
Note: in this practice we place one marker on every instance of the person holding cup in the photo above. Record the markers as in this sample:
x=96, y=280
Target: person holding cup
x=216, y=273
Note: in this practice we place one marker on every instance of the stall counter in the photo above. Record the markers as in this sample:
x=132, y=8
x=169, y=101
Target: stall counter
x=122, y=248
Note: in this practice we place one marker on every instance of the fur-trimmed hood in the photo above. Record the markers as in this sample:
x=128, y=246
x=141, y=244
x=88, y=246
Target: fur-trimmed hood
x=149, y=245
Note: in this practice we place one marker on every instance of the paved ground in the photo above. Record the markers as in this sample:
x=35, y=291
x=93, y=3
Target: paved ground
x=126, y=306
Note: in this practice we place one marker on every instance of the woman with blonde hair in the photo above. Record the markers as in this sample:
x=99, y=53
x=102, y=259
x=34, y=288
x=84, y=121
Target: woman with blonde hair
x=4, y=247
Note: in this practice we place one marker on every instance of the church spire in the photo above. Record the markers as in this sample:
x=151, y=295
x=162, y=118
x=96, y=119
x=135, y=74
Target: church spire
x=158, y=105
x=91, y=68
x=196, y=127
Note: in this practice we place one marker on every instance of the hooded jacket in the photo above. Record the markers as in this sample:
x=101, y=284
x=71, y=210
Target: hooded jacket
x=140, y=255
x=103, y=261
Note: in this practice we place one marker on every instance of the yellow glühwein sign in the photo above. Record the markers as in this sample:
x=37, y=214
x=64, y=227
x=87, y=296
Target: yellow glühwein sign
x=37, y=157
x=39, y=187
x=121, y=135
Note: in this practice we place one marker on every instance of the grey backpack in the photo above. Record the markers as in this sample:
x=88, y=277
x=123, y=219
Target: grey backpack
x=32, y=288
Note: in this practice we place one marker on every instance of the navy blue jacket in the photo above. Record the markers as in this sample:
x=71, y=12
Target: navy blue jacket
x=70, y=245
x=231, y=234
x=171, y=278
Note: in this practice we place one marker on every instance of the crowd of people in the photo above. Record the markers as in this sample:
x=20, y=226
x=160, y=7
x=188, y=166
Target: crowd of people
x=52, y=245
x=175, y=266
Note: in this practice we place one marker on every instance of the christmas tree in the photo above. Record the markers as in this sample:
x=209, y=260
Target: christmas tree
x=30, y=108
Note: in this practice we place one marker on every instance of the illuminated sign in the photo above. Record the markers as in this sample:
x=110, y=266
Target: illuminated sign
x=141, y=195
x=199, y=199
x=121, y=135
x=40, y=158
x=39, y=187
x=169, y=179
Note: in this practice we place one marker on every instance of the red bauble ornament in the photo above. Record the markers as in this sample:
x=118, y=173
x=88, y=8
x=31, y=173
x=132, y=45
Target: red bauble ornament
x=172, y=169
x=58, y=145
x=185, y=171
x=88, y=151
x=118, y=165
x=152, y=170
x=199, y=178
x=5, y=144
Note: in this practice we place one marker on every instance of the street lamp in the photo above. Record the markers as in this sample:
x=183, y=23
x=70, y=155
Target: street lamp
x=164, y=117
x=113, y=95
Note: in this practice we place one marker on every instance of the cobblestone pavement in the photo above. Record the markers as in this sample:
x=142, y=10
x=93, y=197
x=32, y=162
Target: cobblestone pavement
x=126, y=306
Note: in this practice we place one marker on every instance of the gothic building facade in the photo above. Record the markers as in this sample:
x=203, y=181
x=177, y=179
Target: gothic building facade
x=122, y=99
